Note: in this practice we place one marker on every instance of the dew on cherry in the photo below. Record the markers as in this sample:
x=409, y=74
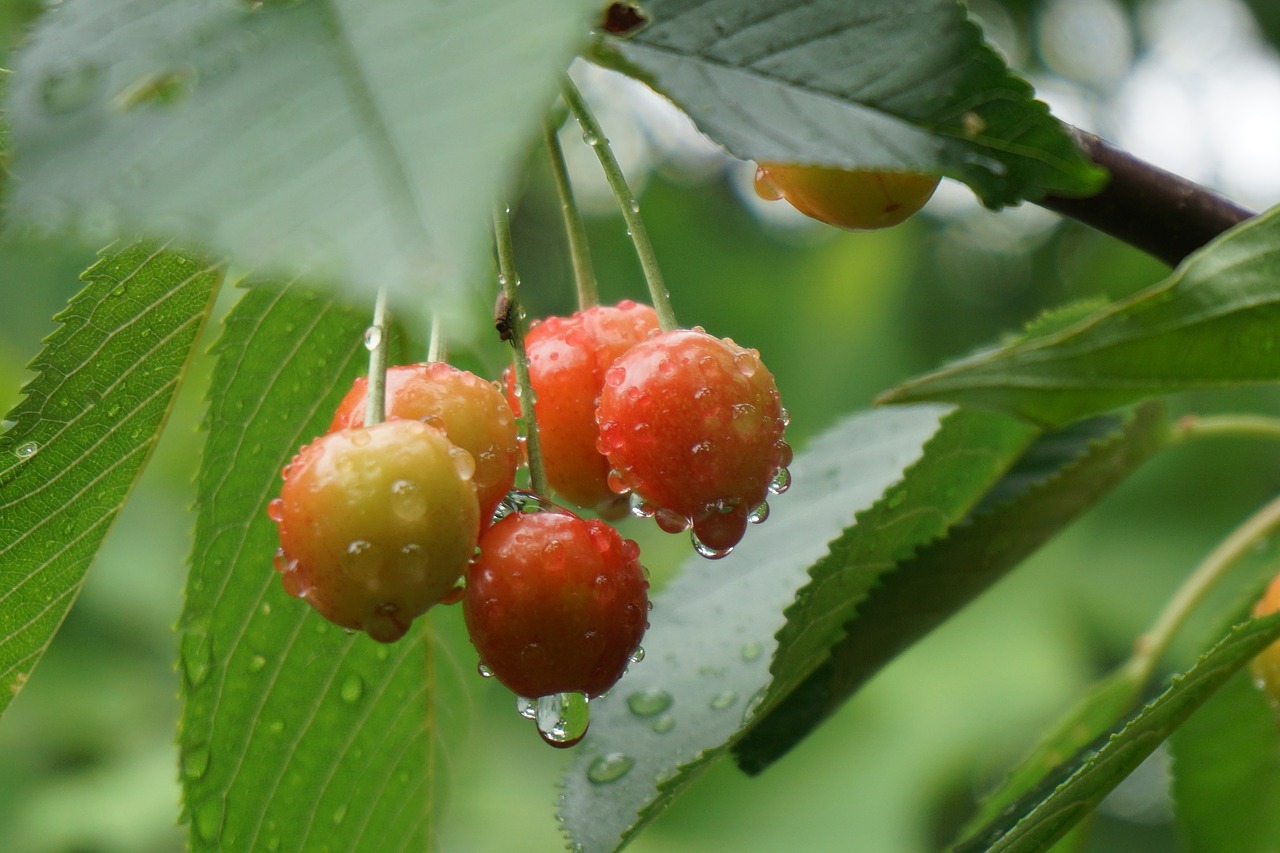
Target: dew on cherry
x=649, y=703
x=526, y=707
x=640, y=508
x=785, y=417
x=609, y=768
x=671, y=521
x=759, y=514
x=781, y=482
x=638, y=654
x=484, y=670
x=746, y=363
x=562, y=718
x=407, y=500
x=705, y=550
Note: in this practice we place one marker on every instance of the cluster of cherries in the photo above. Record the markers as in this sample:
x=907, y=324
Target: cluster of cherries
x=379, y=523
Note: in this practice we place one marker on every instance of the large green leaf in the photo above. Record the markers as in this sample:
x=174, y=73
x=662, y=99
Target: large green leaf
x=712, y=635
x=360, y=140
x=902, y=86
x=1070, y=793
x=73, y=448
x=294, y=733
x=1059, y=477
x=1213, y=322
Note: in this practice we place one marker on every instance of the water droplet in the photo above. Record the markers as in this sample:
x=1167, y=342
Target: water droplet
x=340, y=814
x=276, y=727
x=785, y=417
x=26, y=450
x=195, y=761
x=526, y=707
x=275, y=510
x=209, y=816
x=197, y=657
x=639, y=507
x=759, y=514
x=609, y=768
x=157, y=89
x=649, y=703
x=67, y=91
x=752, y=650
x=484, y=671
x=664, y=724
x=635, y=205
x=746, y=363
x=562, y=718
x=463, y=462
x=723, y=700
x=372, y=338
x=591, y=139
x=7, y=425
x=407, y=500
x=781, y=482
x=671, y=521
x=256, y=663
x=352, y=689
x=705, y=550
x=638, y=654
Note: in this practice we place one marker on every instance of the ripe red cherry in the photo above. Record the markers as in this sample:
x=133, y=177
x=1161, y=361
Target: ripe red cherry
x=555, y=603
x=693, y=424
x=376, y=524
x=1266, y=666
x=855, y=200
x=568, y=358
x=470, y=411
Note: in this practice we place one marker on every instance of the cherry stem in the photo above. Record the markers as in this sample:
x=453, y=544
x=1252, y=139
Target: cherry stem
x=594, y=136
x=1151, y=646
x=510, y=284
x=584, y=278
x=376, y=339
x=437, y=346
x=1212, y=426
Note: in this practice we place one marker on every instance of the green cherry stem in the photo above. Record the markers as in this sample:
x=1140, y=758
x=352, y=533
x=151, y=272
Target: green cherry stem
x=376, y=340
x=595, y=137
x=510, y=284
x=584, y=277
x=1213, y=426
x=437, y=346
x=1151, y=646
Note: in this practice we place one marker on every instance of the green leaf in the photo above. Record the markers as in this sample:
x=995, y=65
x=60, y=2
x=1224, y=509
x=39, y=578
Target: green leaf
x=712, y=632
x=1069, y=794
x=294, y=733
x=1226, y=773
x=74, y=447
x=1059, y=477
x=856, y=84
x=359, y=141
x=1213, y=322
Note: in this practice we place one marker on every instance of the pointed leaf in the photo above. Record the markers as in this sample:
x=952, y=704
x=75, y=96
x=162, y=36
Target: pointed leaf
x=1059, y=477
x=361, y=140
x=712, y=633
x=294, y=733
x=908, y=86
x=74, y=447
x=1211, y=323
x=1069, y=794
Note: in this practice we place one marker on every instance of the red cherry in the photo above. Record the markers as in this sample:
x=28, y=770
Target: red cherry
x=470, y=411
x=555, y=603
x=693, y=424
x=568, y=358
x=376, y=524
x=855, y=200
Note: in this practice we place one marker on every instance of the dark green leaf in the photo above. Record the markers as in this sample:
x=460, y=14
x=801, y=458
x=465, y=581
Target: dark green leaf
x=1069, y=794
x=73, y=448
x=294, y=733
x=712, y=634
x=1213, y=322
x=908, y=86
x=361, y=141
x=1059, y=477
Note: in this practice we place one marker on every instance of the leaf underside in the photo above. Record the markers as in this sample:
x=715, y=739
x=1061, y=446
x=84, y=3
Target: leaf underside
x=75, y=445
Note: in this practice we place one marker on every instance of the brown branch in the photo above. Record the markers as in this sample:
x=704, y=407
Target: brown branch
x=1164, y=215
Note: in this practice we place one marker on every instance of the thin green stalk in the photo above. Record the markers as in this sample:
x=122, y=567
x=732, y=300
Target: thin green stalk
x=377, y=338
x=595, y=137
x=1213, y=426
x=437, y=346
x=1151, y=646
x=584, y=277
x=510, y=284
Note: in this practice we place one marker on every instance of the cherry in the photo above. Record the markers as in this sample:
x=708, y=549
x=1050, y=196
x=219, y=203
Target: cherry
x=470, y=411
x=693, y=424
x=376, y=524
x=1266, y=665
x=555, y=603
x=568, y=359
x=856, y=200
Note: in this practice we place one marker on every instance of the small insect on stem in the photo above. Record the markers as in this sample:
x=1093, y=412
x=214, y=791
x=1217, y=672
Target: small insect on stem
x=502, y=318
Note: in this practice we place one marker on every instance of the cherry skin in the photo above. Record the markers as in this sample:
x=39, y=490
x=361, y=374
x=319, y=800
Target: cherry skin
x=1266, y=665
x=555, y=603
x=470, y=411
x=376, y=524
x=694, y=425
x=568, y=359
x=854, y=200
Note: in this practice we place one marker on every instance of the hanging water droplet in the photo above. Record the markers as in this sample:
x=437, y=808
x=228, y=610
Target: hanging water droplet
x=195, y=761
x=723, y=700
x=649, y=703
x=484, y=670
x=562, y=718
x=781, y=482
x=352, y=689
x=609, y=768
x=526, y=707
x=759, y=514
x=67, y=91
x=372, y=338
x=26, y=450
x=640, y=508
x=705, y=550
x=638, y=654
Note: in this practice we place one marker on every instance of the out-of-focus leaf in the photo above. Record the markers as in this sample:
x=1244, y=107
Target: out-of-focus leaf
x=908, y=86
x=72, y=450
x=1059, y=477
x=1213, y=322
x=295, y=735
x=359, y=140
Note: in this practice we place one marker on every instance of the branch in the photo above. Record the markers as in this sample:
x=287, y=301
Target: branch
x=1164, y=215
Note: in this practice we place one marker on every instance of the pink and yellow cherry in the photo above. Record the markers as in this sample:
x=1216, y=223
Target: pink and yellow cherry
x=852, y=199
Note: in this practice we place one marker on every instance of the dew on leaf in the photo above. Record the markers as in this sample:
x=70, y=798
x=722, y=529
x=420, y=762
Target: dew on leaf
x=26, y=450
x=71, y=90
x=752, y=650
x=647, y=703
x=723, y=700
x=609, y=768
x=256, y=663
x=352, y=689
x=664, y=724
x=209, y=816
x=157, y=89
x=195, y=761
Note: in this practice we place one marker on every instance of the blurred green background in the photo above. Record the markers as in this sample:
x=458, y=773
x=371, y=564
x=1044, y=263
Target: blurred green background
x=87, y=763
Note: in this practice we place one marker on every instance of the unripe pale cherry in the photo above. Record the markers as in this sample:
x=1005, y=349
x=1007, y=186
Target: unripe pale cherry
x=376, y=524
x=693, y=424
x=856, y=200
x=568, y=359
x=555, y=603
x=1266, y=665
x=470, y=411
